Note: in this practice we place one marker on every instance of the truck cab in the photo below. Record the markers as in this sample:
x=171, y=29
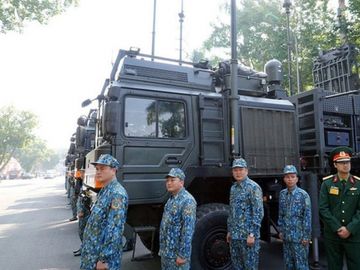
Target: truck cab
x=157, y=115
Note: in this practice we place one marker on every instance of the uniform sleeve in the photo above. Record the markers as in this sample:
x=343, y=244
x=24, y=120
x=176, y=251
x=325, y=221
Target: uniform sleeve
x=307, y=218
x=79, y=205
x=354, y=225
x=113, y=231
x=281, y=213
x=230, y=217
x=187, y=229
x=257, y=212
x=324, y=210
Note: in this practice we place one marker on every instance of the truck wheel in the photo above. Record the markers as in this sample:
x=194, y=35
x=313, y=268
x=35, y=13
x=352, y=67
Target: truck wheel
x=209, y=248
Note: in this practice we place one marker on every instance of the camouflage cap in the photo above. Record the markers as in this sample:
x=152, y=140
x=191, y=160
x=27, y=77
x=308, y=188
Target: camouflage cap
x=239, y=163
x=177, y=172
x=108, y=160
x=341, y=153
x=289, y=169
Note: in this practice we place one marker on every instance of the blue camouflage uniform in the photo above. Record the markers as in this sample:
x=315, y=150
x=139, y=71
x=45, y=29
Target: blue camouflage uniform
x=246, y=213
x=177, y=227
x=83, y=207
x=102, y=239
x=73, y=196
x=295, y=224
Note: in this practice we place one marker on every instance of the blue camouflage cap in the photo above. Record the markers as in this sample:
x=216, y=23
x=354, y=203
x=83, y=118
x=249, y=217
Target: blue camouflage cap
x=108, y=160
x=177, y=172
x=289, y=169
x=239, y=163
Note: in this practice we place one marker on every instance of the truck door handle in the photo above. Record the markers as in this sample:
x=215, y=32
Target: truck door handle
x=172, y=160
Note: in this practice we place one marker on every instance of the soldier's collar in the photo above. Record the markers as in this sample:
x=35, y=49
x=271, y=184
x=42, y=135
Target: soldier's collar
x=177, y=194
x=350, y=179
x=292, y=190
x=241, y=182
x=109, y=183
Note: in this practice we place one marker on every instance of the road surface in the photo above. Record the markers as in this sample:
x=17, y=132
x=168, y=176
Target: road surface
x=35, y=233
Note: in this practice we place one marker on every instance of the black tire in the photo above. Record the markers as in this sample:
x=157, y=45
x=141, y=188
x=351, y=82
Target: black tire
x=209, y=248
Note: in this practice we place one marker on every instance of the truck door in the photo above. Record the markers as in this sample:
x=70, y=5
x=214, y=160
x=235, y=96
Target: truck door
x=156, y=136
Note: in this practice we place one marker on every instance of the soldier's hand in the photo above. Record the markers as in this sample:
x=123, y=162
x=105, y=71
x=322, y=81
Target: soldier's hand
x=305, y=242
x=101, y=266
x=180, y=261
x=343, y=232
x=228, y=237
x=250, y=241
x=80, y=214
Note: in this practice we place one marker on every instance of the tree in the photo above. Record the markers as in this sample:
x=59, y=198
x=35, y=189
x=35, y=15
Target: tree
x=13, y=13
x=353, y=19
x=16, y=131
x=33, y=155
x=50, y=161
x=313, y=25
x=262, y=33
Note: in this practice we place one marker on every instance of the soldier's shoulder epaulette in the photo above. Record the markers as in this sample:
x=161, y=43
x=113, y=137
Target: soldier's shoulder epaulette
x=356, y=177
x=327, y=177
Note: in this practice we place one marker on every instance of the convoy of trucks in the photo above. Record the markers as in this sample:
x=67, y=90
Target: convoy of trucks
x=156, y=113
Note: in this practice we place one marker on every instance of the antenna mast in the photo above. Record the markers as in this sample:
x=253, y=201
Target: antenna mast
x=181, y=20
x=153, y=33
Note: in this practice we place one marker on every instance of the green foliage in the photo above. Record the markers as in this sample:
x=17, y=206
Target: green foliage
x=16, y=131
x=313, y=26
x=262, y=34
x=36, y=156
x=50, y=160
x=354, y=22
x=17, y=140
x=14, y=13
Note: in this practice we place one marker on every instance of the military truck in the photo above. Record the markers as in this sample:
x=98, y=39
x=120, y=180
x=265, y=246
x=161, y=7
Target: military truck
x=329, y=115
x=157, y=113
x=84, y=138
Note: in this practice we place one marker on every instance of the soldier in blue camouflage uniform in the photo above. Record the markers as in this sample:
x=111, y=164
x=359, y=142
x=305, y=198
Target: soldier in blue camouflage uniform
x=102, y=239
x=246, y=213
x=83, y=211
x=73, y=196
x=294, y=222
x=177, y=224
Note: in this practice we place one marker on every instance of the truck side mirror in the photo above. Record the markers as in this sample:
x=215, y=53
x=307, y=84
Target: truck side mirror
x=111, y=118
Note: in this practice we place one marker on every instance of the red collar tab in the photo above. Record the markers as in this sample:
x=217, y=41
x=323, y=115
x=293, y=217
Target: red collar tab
x=352, y=180
x=336, y=179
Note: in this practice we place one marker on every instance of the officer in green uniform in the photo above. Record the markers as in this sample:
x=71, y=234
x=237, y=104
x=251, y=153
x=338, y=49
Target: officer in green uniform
x=339, y=208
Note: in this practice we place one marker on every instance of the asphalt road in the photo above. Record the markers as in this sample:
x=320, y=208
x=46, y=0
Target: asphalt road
x=35, y=233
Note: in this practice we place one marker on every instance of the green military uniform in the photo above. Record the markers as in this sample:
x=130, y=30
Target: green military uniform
x=339, y=206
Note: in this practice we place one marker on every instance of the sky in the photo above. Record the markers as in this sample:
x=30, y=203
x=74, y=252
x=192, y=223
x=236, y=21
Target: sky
x=50, y=69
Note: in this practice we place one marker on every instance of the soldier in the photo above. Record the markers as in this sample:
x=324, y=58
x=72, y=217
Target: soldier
x=83, y=210
x=102, y=239
x=73, y=196
x=339, y=207
x=246, y=213
x=294, y=222
x=177, y=224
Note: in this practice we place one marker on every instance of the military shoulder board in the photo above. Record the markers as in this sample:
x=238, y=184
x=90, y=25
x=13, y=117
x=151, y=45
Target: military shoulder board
x=327, y=177
x=356, y=177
